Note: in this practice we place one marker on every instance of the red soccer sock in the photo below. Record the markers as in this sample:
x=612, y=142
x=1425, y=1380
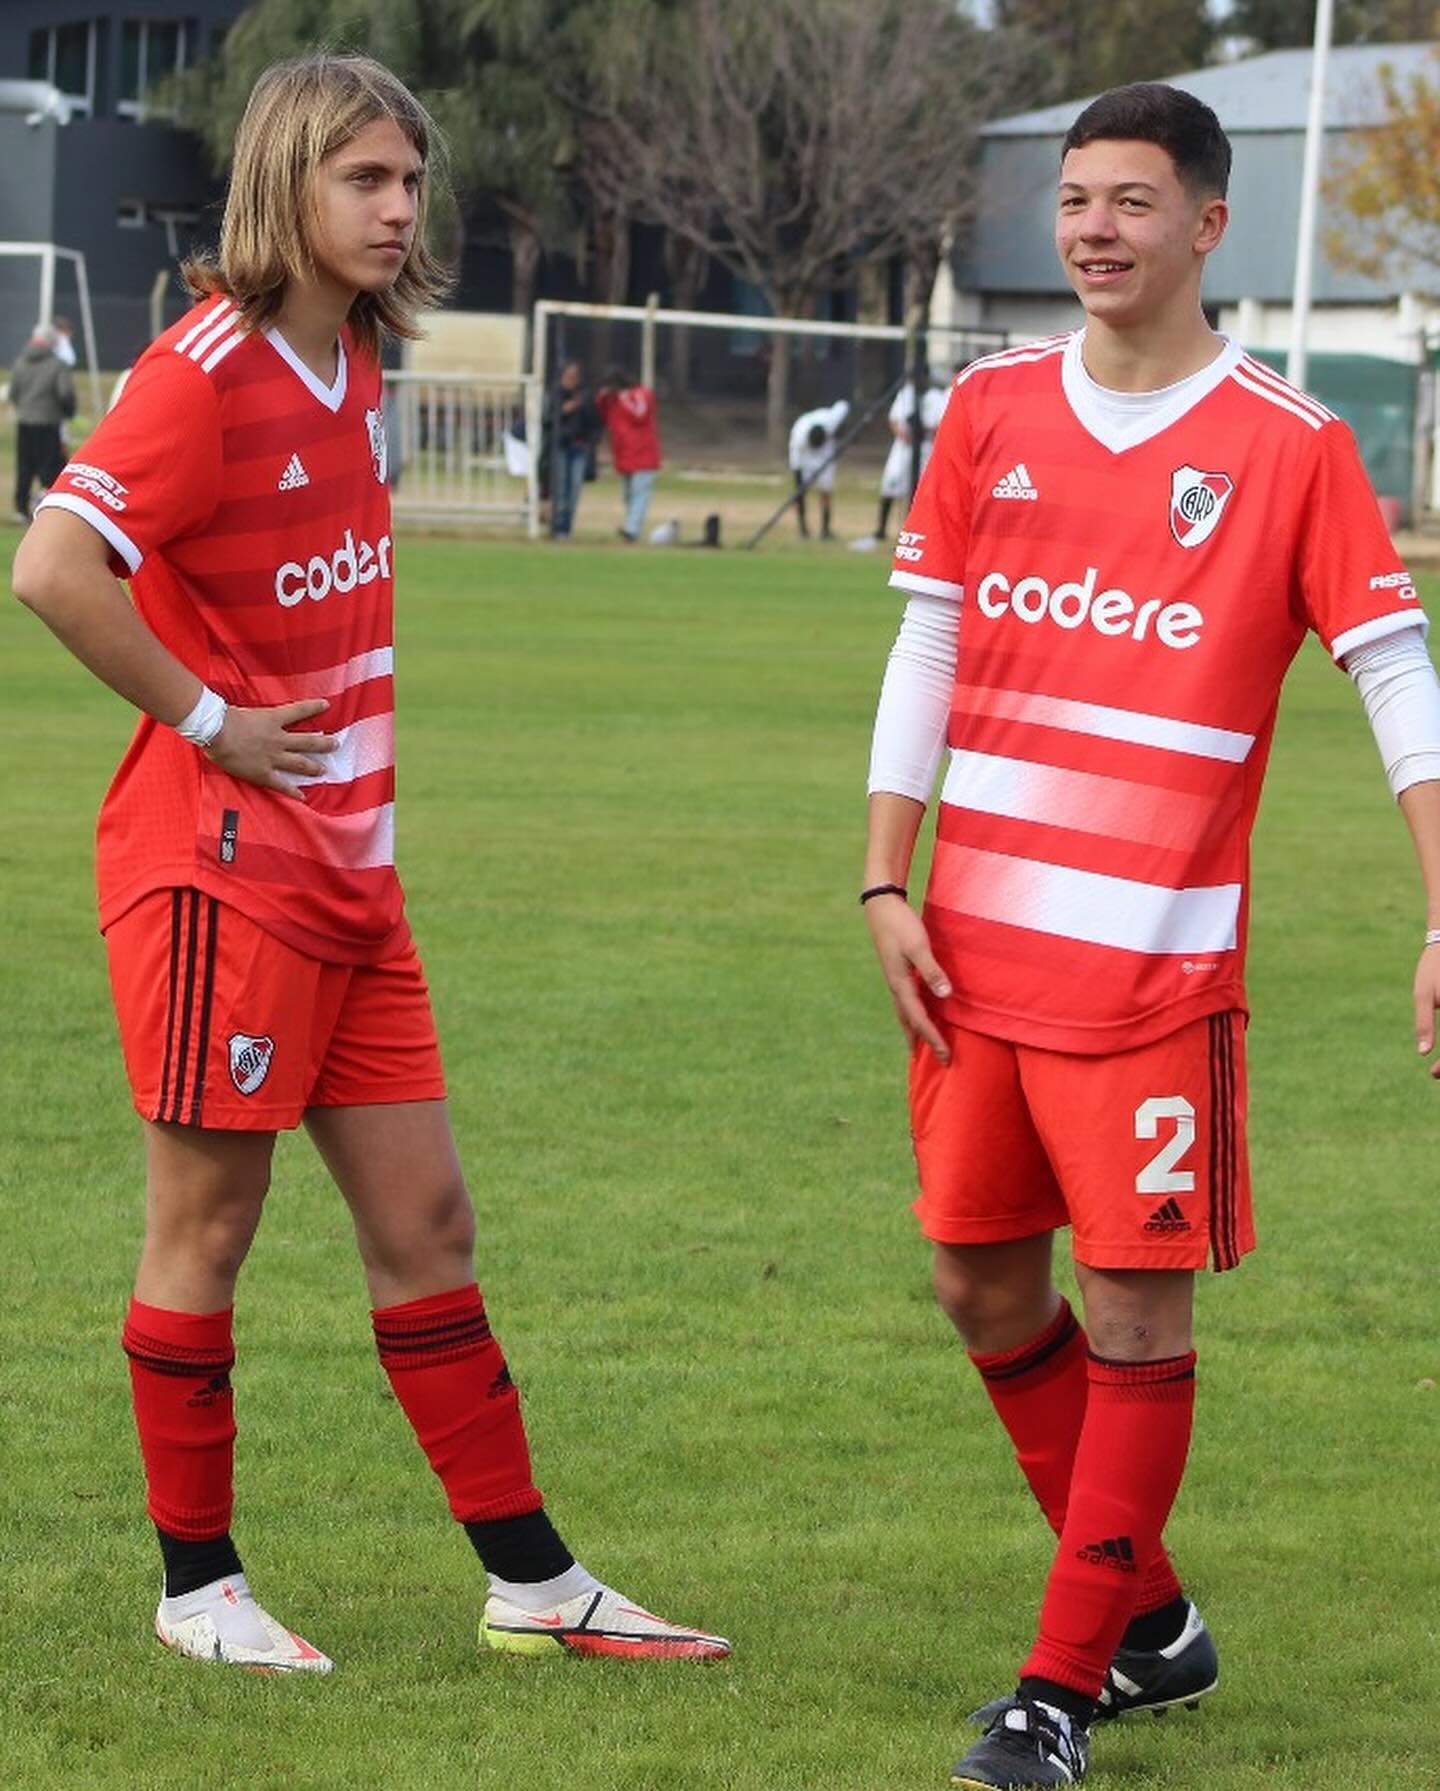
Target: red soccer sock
x=1128, y=1469
x=450, y=1377
x=1040, y=1392
x=180, y=1366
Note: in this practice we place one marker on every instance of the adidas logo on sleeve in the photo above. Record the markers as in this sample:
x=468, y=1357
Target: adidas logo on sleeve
x=1016, y=484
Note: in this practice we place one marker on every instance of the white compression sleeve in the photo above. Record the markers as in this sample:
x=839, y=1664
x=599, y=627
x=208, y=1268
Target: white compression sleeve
x=1401, y=694
x=915, y=698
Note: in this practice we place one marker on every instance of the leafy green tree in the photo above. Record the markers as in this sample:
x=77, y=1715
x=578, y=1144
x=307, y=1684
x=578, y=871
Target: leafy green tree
x=1285, y=24
x=1089, y=45
x=507, y=148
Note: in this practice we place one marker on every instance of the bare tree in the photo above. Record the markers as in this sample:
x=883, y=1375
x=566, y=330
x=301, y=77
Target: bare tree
x=791, y=140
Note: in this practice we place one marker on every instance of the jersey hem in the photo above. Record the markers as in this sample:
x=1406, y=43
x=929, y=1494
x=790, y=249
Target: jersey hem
x=1106, y=1040
x=320, y=946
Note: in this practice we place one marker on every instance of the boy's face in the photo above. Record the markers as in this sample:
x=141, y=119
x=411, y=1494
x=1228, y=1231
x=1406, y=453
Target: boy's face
x=1131, y=237
x=366, y=198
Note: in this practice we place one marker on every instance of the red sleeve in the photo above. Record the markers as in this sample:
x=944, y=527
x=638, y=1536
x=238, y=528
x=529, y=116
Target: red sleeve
x=1353, y=584
x=930, y=553
x=151, y=471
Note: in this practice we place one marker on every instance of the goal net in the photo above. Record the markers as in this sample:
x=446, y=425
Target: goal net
x=710, y=372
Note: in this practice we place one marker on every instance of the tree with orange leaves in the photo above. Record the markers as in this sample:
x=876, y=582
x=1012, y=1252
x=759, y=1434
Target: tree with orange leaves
x=1387, y=188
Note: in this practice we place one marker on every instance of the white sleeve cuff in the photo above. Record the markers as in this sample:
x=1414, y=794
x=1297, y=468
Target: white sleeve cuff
x=914, y=708
x=99, y=521
x=1401, y=694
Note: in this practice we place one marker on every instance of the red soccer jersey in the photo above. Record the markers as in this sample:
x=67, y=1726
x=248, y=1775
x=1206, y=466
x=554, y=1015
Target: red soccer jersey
x=634, y=436
x=1131, y=602
x=247, y=503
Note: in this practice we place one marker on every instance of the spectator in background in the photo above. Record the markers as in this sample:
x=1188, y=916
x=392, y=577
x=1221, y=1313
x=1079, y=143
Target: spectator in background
x=812, y=460
x=627, y=410
x=896, y=476
x=64, y=340
x=574, y=431
x=43, y=394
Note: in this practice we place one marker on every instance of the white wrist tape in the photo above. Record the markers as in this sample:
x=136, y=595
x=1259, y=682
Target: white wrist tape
x=205, y=720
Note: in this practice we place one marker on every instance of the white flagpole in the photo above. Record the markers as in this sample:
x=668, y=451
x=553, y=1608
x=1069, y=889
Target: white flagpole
x=1295, y=367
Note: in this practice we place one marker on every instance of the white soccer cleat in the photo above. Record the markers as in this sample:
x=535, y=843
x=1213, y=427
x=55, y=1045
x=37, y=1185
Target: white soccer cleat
x=223, y=1622
x=594, y=1622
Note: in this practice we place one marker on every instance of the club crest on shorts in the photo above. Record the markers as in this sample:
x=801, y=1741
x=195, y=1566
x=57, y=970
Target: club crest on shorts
x=379, y=448
x=1197, y=502
x=249, y=1061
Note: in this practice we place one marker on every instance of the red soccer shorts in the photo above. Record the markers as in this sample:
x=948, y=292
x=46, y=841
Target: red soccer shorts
x=224, y=1025
x=1141, y=1152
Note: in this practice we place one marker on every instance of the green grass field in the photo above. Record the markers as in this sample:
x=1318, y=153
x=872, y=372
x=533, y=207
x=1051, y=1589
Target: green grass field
x=631, y=815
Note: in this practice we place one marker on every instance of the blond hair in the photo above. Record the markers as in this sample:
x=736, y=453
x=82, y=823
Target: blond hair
x=301, y=111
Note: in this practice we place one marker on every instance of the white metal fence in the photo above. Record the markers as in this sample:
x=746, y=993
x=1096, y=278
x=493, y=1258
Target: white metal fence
x=458, y=448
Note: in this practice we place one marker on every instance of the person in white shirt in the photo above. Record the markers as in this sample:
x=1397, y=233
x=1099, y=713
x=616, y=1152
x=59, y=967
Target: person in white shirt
x=812, y=460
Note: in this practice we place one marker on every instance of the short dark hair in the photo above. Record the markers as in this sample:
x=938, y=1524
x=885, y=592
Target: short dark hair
x=1152, y=112
x=818, y=435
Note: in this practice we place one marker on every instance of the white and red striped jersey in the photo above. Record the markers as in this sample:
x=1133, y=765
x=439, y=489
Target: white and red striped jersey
x=247, y=503
x=1131, y=599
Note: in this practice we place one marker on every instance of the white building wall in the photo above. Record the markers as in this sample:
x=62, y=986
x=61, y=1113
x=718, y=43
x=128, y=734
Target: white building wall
x=1395, y=332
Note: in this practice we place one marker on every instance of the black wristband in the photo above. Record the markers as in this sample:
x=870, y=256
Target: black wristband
x=880, y=889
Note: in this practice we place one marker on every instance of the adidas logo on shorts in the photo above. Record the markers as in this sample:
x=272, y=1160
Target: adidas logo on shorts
x=1167, y=1220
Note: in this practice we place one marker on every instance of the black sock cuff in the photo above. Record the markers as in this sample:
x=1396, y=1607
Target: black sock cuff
x=524, y=1549
x=1158, y=1628
x=190, y=1565
x=1079, y=1708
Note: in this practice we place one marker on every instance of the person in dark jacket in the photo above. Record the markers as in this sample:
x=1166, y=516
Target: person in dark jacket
x=42, y=391
x=574, y=431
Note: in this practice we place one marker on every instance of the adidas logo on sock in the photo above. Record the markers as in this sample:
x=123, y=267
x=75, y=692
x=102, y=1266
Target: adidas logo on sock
x=1167, y=1220
x=1116, y=1552
x=294, y=476
x=1016, y=484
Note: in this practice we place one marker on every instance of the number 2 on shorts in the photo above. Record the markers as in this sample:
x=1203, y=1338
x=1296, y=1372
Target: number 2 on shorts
x=1160, y=1176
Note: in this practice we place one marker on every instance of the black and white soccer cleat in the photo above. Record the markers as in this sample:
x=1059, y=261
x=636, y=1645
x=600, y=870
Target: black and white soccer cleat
x=1028, y=1747
x=1157, y=1679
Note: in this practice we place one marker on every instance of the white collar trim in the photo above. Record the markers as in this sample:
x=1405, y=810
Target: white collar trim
x=333, y=396
x=1121, y=420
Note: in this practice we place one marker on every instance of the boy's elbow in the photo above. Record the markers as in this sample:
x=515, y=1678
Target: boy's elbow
x=25, y=577
x=39, y=569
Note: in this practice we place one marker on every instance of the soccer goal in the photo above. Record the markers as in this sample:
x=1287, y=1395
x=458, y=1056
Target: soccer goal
x=710, y=372
x=47, y=256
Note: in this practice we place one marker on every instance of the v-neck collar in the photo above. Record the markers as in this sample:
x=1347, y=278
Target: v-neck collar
x=331, y=396
x=1156, y=411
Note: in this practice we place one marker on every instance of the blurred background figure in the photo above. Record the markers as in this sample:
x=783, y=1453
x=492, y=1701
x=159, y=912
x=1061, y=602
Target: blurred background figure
x=627, y=409
x=572, y=432
x=64, y=339
x=895, y=478
x=43, y=394
x=812, y=461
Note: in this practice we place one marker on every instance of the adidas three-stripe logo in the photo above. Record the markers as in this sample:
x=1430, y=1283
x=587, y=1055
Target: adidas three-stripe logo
x=1016, y=484
x=1168, y=1219
x=294, y=475
x=1117, y=1552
